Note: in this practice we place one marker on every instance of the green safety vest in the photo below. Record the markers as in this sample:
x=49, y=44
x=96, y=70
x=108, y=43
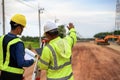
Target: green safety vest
x=58, y=66
x=5, y=66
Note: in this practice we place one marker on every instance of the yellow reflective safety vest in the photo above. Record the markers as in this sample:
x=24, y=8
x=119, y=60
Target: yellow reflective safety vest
x=56, y=57
x=5, y=66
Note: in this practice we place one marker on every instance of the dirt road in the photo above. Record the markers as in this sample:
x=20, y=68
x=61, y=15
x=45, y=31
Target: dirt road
x=93, y=62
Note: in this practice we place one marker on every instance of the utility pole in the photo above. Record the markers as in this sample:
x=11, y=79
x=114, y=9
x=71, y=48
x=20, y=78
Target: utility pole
x=40, y=10
x=117, y=19
x=3, y=16
x=56, y=20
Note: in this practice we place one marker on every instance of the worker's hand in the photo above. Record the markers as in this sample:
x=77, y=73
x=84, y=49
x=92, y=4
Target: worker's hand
x=70, y=26
x=45, y=40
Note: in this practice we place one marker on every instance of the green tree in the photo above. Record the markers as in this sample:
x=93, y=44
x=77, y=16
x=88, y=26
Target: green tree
x=62, y=31
x=117, y=32
x=102, y=34
x=28, y=38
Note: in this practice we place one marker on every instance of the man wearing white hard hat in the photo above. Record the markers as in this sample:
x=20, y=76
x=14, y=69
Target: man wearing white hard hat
x=56, y=55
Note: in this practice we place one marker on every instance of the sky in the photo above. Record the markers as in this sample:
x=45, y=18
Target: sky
x=88, y=16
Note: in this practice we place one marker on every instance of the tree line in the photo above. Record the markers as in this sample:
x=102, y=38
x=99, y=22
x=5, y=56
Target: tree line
x=102, y=34
x=29, y=38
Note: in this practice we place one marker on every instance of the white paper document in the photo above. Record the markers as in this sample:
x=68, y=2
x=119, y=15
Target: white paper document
x=29, y=54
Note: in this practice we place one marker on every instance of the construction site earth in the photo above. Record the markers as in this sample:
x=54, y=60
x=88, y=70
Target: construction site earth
x=91, y=62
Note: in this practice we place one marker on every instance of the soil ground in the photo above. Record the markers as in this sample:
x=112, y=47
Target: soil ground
x=91, y=62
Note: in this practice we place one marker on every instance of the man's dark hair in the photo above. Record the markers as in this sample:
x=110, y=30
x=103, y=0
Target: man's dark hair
x=53, y=32
x=14, y=25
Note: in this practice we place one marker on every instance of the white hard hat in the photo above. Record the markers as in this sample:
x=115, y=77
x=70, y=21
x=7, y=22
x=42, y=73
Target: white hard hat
x=49, y=25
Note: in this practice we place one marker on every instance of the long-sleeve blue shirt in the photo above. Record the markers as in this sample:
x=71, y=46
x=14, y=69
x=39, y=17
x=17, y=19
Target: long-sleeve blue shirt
x=17, y=53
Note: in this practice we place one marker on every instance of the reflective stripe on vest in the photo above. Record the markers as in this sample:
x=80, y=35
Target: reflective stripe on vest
x=1, y=52
x=55, y=67
x=64, y=78
x=5, y=66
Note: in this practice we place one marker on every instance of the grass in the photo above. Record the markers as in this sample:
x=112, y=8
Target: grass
x=29, y=44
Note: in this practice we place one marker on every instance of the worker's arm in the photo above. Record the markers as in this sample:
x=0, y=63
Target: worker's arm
x=44, y=60
x=19, y=56
x=71, y=37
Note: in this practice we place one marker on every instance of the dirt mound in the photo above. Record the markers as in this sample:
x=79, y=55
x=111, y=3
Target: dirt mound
x=92, y=62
